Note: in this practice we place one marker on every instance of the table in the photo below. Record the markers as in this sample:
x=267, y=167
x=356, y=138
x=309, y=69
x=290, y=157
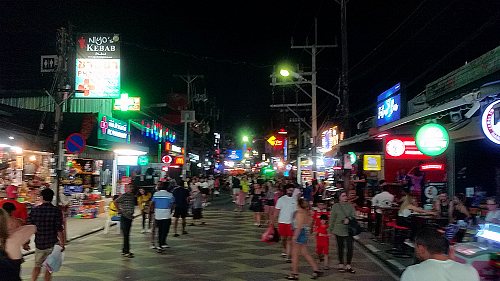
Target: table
x=422, y=220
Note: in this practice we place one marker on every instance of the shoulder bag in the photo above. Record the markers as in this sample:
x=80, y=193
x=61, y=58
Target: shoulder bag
x=353, y=226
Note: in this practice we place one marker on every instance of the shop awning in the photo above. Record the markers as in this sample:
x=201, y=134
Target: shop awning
x=355, y=139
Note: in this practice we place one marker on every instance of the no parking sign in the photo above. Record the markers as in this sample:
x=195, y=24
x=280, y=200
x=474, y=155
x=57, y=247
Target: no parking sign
x=75, y=143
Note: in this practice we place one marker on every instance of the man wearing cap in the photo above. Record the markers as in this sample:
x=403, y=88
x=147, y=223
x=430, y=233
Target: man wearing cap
x=21, y=212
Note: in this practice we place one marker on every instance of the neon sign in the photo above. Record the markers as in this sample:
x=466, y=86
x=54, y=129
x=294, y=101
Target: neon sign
x=432, y=167
x=432, y=139
x=126, y=103
x=389, y=105
x=490, y=122
x=402, y=148
x=372, y=162
x=157, y=131
x=112, y=129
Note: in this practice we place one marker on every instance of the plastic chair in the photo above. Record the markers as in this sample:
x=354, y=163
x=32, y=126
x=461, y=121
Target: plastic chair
x=108, y=222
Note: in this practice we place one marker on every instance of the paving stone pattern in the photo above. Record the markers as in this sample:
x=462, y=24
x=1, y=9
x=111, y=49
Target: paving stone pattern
x=228, y=247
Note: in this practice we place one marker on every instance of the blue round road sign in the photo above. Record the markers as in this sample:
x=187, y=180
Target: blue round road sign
x=75, y=143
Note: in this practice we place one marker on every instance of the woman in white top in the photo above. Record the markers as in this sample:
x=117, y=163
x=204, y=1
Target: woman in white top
x=408, y=207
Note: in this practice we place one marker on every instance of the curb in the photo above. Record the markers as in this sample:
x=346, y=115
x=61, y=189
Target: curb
x=394, y=266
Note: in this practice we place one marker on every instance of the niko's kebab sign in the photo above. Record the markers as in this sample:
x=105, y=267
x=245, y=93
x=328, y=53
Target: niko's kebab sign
x=97, y=66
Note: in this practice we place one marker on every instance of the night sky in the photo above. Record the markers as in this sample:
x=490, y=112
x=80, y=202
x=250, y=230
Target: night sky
x=235, y=45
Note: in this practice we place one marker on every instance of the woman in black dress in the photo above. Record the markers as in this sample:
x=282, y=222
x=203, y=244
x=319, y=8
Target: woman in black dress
x=257, y=195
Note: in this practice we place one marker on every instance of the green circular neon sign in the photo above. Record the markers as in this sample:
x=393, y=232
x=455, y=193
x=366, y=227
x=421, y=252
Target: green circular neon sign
x=432, y=139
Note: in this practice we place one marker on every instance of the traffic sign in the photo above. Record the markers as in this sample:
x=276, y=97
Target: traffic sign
x=75, y=143
x=48, y=63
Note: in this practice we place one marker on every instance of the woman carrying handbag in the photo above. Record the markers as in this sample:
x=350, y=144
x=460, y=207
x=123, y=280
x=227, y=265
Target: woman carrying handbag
x=339, y=225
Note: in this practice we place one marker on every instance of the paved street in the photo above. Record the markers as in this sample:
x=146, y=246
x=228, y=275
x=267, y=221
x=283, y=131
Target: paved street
x=226, y=248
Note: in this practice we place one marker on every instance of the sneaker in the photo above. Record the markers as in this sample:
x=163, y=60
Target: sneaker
x=288, y=260
x=143, y=231
x=255, y=223
x=153, y=247
x=184, y=232
x=148, y=230
x=176, y=235
x=129, y=255
x=283, y=255
x=165, y=246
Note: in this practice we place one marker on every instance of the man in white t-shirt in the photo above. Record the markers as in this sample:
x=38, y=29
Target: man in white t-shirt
x=432, y=249
x=382, y=200
x=284, y=211
x=493, y=215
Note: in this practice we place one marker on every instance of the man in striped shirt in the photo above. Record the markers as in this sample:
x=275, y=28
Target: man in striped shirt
x=163, y=204
x=126, y=207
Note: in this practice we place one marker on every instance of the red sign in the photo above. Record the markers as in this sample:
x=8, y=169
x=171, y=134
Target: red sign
x=402, y=148
x=167, y=159
x=75, y=143
x=432, y=167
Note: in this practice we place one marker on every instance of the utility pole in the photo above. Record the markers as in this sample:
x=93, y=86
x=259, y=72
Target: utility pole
x=314, y=50
x=186, y=116
x=344, y=86
x=189, y=79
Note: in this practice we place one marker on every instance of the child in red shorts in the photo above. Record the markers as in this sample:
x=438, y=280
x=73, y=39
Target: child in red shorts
x=323, y=240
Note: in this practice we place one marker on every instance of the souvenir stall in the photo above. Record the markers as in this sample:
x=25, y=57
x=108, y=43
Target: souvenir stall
x=81, y=181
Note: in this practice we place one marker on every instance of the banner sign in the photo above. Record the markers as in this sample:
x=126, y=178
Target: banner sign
x=401, y=147
x=112, y=129
x=389, y=105
x=97, y=66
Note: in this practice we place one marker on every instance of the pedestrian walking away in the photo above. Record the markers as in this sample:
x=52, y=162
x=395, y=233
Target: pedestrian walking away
x=49, y=231
x=181, y=196
x=163, y=203
x=126, y=207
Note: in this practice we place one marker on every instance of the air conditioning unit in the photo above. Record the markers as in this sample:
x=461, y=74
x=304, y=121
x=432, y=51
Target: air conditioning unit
x=417, y=104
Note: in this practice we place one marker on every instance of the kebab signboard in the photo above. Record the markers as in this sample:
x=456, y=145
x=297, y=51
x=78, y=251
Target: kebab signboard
x=402, y=147
x=97, y=66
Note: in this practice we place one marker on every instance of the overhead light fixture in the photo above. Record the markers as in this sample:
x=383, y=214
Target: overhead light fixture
x=381, y=135
x=11, y=137
x=131, y=152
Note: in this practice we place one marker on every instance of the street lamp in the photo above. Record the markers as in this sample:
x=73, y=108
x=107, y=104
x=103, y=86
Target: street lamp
x=301, y=80
x=245, y=139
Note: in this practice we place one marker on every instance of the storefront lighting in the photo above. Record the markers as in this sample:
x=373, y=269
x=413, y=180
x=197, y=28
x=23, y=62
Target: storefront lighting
x=32, y=158
x=16, y=149
x=131, y=152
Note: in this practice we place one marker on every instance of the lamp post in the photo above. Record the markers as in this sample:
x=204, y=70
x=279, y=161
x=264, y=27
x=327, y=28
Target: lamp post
x=314, y=126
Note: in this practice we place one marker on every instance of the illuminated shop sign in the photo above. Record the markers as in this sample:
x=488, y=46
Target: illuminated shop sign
x=490, y=122
x=193, y=157
x=126, y=103
x=112, y=129
x=400, y=147
x=432, y=167
x=277, y=143
x=432, y=139
x=372, y=162
x=389, y=105
x=176, y=148
x=97, y=66
x=157, y=131
x=234, y=155
x=330, y=138
x=178, y=160
x=167, y=159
